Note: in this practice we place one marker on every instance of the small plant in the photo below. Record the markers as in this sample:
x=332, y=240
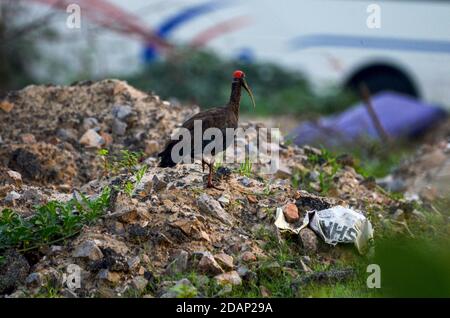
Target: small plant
x=245, y=168
x=184, y=291
x=51, y=222
x=125, y=160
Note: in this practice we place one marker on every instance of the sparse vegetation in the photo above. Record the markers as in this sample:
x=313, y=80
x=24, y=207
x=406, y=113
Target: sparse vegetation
x=52, y=222
x=245, y=168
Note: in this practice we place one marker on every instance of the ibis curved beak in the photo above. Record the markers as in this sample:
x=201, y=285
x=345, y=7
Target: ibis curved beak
x=249, y=91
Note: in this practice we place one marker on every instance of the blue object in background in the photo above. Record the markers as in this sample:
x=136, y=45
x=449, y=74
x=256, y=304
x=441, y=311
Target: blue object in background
x=169, y=25
x=400, y=116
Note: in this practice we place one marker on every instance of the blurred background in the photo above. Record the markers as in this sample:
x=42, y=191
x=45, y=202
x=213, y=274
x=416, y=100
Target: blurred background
x=366, y=78
x=346, y=74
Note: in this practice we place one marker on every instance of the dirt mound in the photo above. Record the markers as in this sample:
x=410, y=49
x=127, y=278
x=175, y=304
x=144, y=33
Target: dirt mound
x=50, y=133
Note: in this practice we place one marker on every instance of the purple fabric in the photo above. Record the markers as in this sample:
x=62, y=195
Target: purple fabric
x=400, y=116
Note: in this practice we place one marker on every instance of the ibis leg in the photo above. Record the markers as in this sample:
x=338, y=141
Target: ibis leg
x=210, y=176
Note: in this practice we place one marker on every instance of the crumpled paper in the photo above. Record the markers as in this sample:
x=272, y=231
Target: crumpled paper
x=334, y=225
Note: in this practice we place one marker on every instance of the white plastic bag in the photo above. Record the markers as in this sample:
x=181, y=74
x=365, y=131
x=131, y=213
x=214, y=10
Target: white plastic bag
x=334, y=225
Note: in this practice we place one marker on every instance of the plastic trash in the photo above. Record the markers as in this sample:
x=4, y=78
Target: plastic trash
x=399, y=115
x=334, y=225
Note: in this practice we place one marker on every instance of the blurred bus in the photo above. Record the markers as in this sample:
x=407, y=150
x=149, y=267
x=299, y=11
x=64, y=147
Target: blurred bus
x=341, y=42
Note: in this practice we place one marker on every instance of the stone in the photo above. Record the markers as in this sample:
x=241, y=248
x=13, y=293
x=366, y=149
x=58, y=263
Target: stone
x=91, y=139
x=88, y=249
x=209, y=265
x=119, y=128
x=224, y=199
x=209, y=205
x=158, y=183
x=68, y=293
x=290, y=212
x=133, y=263
x=67, y=134
x=179, y=264
x=309, y=241
x=139, y=283
x=28, y=139
x=283, y=172
x=248, y=257
x=232, y=278
x=107, y=138
x=246, y=182
x=6, y=106
x=265, y=292
x=121, y=111
x=151, y=147
x=109, y=276
x=12, y=196
x=224, y=260
x=13, y=271
x=90, y=123
x=34, y=280
x=246, y=274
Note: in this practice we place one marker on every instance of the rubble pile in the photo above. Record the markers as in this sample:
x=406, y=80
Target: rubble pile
x=146, y=243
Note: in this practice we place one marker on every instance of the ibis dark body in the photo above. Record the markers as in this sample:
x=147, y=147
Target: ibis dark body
x=220, y=117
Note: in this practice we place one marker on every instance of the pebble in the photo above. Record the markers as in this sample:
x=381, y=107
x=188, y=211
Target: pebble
x=290, y=212
x=91, y=139
x=232, y=278
x=88, y=249
x=209, y=205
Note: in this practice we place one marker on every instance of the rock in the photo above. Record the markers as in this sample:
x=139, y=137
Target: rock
x=224, y=260
x=210, y=206
x=110, y=277
x=67, y=293
x=309, y=241
x=119, y=128
x=28, y=138
x=12, y=196
x=34, y=280
x=91, y=139
x=246, y=182
x=27, y=163
x=139, y=283
x=179, y=264
x=283, y=172
x=69, y=135
x=151, y=147
x=290, y=212
x=232, y=278
x=121, y=111
x=305, y=268
x=246, y=274
x=209, y=265
x=90, y=123
x=248, y=257
x=13, y=271
x=107, y=138
x=88, y=249
x=15, y=176
x=158, y=183
x=133, y=263
x=17, y=294
x=265, y=292
x=224, y=199
x=6, y=106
